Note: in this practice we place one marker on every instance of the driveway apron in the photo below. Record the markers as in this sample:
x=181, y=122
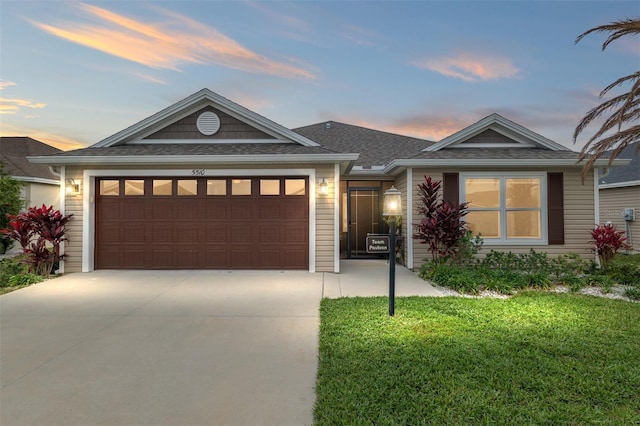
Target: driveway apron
x=161, y=348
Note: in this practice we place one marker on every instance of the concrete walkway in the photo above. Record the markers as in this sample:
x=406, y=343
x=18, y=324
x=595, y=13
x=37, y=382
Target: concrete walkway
x=172, y=347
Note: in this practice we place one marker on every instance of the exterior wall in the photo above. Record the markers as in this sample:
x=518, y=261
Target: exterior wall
x=325, y=235
x=613, y=201
x=37, y=194
x=325, y=231
x=579, y=214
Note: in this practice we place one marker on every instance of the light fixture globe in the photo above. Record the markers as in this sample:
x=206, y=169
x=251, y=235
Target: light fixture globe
x=392, y=205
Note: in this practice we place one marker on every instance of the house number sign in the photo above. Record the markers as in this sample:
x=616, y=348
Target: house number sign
x=197, y=172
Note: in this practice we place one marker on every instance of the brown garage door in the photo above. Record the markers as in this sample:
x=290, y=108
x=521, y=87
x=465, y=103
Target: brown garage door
x=202, y=223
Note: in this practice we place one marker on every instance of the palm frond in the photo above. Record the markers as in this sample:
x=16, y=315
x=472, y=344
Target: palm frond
x=617, y=29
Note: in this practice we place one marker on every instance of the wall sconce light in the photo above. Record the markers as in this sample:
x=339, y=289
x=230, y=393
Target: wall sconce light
x=323, y=185
x=73, y=187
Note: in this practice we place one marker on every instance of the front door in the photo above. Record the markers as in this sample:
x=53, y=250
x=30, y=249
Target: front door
x=363, y=212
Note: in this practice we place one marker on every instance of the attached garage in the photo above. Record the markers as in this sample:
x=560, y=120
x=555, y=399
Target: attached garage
x=202, y=223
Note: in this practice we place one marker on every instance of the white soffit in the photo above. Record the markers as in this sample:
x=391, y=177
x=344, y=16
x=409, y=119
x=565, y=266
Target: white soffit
x=193, y=103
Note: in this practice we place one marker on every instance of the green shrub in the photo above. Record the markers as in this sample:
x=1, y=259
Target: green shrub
x=605, y=282
x=625, y=269
x=632, y=293
x=8, y=268
x=24, y=279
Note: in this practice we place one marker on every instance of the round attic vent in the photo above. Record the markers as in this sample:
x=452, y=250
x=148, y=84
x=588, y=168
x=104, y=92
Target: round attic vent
x=208, y=123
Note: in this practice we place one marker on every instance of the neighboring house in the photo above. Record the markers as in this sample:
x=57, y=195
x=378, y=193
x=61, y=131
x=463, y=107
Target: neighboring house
x=207, y=183
x=41, y=185
x=619, y=191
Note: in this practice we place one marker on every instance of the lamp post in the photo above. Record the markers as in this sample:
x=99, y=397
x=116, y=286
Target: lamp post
x=392, y=208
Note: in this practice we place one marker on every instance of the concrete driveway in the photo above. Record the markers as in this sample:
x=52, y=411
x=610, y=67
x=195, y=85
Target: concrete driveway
x=173, y=347
x=161, y=348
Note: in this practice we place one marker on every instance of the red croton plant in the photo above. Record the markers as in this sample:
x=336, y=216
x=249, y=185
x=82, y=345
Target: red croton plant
x=441, y=227
x=39, y=231
x=607, y=241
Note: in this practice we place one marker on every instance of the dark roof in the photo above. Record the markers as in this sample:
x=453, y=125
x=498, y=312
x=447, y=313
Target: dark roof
x=496, y=154
x=376, y=148
x=139, y=149
x=14, y=152
x=628, y=173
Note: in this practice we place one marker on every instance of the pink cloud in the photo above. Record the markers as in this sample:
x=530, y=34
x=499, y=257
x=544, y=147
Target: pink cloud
x=168, y=45
x=471, y=67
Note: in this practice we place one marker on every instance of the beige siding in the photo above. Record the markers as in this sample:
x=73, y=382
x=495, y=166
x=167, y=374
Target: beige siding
x=73, y=204
x=37, y=194
x=613, y=201
x=324, y=214
x=325, y=232
x=578, y=218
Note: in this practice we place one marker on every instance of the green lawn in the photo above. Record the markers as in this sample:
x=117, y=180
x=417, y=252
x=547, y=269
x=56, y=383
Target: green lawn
x=536, y=358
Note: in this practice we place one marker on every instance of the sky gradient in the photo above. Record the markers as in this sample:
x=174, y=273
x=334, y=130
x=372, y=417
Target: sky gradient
x=74, y=73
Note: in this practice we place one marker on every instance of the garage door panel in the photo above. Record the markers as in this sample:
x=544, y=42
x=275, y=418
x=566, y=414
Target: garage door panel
x=270, y=233
x=187, y=257
x=295, y=258
x=241, y=234
x=111, y=235
x=269, y=209
x=161, y=209
x=216, y=209
x=241, y=257
x=217, y=257
x=187, y=233
x=296, y=212
x=133, y=234
x=133, y=210
x=296, y=234
x=161, y=233
x=216, y=233
x=108, y=211
x=206, y=230
x=269, y=256
x=134, y=258
x=187, y=209
x=161, y=255
x=242, y=209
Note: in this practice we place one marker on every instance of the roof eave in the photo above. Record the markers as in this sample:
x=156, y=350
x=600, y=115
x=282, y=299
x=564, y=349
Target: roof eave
x=393, y=166
x=192, y=159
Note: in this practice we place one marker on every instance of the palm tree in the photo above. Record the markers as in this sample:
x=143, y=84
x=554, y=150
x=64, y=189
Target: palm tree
x=621, y=128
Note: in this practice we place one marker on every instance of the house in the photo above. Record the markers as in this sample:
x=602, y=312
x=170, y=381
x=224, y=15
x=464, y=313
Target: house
x=619, y=192
x=207, y=183
x=41, y=184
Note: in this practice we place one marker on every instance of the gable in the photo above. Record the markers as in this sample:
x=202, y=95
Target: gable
x=178, y=120
x=492, y=139
x=231, y=128
x=495, y=131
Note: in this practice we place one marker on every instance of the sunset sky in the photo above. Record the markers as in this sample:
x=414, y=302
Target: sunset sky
x=73, y=73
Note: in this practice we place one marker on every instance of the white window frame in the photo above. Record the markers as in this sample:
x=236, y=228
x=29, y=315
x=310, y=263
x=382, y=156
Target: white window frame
x=503, y=176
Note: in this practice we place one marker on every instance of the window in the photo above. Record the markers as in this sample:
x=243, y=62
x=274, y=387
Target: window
x=162, y=187
x=109, y=187
x=216, y=187
x=133, y=187
x=506, y=208
x=269, y=186
x=295, y=187
x=187, y=187
x=241, y=187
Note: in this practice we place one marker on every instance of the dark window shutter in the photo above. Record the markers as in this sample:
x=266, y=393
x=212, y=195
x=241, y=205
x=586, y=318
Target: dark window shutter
x=555, y=208
x=451, y=187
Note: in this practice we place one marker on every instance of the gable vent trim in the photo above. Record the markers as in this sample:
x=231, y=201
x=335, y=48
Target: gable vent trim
x=208, y=123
